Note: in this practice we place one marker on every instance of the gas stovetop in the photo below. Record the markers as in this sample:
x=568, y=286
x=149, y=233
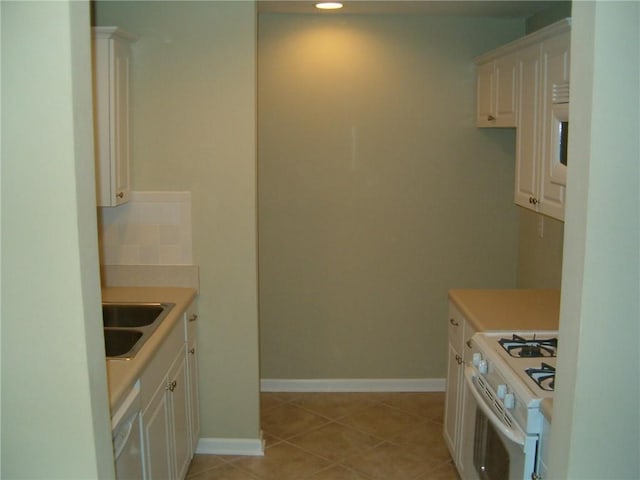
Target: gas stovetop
x=519, y=365
x=529, y=357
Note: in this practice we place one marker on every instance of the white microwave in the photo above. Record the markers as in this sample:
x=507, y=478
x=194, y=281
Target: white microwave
x=559, y=133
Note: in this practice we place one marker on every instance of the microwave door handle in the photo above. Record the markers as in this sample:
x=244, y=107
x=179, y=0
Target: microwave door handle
x=510, y=433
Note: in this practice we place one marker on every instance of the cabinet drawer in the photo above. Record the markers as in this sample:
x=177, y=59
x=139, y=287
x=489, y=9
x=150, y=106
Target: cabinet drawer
x=466, y=346
x=456, y=327
x=191, y=322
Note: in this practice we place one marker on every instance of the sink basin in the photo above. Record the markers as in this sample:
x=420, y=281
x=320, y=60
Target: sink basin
x=128, y=315
x=120, y=342
x=127, y=326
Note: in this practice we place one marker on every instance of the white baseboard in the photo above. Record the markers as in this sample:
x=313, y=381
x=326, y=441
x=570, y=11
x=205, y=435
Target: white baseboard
x=231, y=446
x=354, y=385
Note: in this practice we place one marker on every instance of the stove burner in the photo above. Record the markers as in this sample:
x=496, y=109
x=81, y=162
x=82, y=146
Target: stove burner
x=521, y=347
x=545, y=376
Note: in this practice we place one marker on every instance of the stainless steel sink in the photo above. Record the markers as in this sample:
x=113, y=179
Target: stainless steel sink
x=127, y=326
x=119, y=342
x=129, y=315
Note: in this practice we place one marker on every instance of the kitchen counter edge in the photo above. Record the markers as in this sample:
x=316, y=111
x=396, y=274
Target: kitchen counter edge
x=122, y=374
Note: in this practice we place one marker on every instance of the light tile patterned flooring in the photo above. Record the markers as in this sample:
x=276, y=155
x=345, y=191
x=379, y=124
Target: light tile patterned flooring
x=342, y=436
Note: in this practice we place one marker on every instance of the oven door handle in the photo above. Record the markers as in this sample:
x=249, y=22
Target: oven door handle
x=513, y=435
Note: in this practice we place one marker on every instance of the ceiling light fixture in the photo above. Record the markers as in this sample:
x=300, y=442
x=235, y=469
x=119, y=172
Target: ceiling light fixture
x=328, y=5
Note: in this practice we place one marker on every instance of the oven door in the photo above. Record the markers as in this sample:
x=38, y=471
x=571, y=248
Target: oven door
x=492, y=449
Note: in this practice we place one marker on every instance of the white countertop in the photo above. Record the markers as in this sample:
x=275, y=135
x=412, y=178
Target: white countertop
x=122, y=374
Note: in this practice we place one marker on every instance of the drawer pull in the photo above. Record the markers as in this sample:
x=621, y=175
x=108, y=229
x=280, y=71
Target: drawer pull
x=453, y=322
x=468, y=342
x=193, y=317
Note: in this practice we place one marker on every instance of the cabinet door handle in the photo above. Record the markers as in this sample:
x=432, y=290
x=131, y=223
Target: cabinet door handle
x=172, y=386
x=453, y=322
x=468, y=342
x=120, y=195
x=491, y=118
x=192, y=351
x=193, y=317
x=533, y=200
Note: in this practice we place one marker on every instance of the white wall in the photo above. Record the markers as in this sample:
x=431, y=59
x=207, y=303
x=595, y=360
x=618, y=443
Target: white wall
x=194, y=129
x=377, y=193
x=55, y=412
x=596, y=421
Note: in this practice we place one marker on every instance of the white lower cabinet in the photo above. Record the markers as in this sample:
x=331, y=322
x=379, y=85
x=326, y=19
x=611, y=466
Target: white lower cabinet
x=168, y=409
x=460, y=332
x=192, y=366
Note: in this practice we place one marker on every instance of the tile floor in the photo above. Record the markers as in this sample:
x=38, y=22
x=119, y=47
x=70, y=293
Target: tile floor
x=342, y=436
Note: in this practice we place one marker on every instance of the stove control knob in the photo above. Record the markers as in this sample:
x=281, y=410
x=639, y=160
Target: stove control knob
x=509, y=401
x=477, y=357
x=483, y=368
x=501, y=391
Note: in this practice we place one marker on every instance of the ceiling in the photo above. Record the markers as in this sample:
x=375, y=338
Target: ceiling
x=474, y=8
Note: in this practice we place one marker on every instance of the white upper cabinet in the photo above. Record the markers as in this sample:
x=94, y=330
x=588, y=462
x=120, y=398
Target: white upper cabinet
x=528, y=134
x=543, y=121
x=497, y=92
x=533, y=72
x=555, y=124
x=111, y=76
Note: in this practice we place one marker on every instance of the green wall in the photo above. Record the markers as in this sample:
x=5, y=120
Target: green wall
x=194, y=128
x=557, y=11
x=377, y=193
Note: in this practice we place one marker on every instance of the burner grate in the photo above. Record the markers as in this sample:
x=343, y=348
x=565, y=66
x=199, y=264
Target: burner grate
x=529, y=348
x=545, y=376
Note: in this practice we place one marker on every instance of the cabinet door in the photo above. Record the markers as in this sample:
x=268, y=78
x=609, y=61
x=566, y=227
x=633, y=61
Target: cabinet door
x=463, y=434
x=456, y=325
x=191, y=337
x=506, y=94
x=120, y=124
x=555, y=72
x=527, y=145
x=156, y=421
x=194, y=405
x=111, y=59
x=178, y=378
x=485, y=102
x=452, y=401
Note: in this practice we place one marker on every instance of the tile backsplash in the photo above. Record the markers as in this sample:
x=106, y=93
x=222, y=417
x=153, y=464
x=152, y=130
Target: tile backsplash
x=153, y=228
